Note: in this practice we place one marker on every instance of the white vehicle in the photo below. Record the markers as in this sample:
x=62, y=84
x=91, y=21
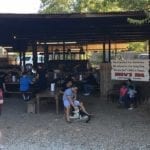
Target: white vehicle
x=29, y=59
x=143, y=56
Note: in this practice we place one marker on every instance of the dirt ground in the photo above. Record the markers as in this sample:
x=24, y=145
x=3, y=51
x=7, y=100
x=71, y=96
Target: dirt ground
x=111, y=128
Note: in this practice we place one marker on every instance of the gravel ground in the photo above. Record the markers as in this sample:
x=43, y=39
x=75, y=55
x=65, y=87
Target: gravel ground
x=110, y=129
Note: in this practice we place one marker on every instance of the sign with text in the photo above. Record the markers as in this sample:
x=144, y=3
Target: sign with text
x=137, y=70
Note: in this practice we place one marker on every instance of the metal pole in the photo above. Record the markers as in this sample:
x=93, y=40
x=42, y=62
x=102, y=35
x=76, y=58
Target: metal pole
x=46, y=56
x=23, y=52
x=20, y=58
x=34, y=54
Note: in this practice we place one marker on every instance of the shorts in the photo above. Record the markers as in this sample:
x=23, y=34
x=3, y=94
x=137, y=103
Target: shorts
x=67, y=103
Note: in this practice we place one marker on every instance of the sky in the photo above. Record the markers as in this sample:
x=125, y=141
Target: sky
x=19, y=6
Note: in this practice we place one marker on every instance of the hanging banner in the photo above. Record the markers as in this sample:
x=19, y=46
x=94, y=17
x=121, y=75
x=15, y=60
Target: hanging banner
x=137, y=70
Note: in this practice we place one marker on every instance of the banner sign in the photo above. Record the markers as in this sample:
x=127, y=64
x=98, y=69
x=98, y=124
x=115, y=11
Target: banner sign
x=137, y=70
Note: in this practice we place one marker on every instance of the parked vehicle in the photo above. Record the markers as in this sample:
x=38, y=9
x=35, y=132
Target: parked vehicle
x=143, y=56
x=29, y=59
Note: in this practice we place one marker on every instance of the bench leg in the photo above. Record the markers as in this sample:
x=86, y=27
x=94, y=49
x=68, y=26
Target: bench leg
x=37, y=105
x=57, y=104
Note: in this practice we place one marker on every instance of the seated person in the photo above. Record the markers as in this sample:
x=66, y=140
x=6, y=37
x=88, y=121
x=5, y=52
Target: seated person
x=8, y=77
x=69, y=99
x=25, y=82
x=88, y=84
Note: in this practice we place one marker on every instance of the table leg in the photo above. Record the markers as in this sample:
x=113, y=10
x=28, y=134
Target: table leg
x=38, y=105
x=57, y=105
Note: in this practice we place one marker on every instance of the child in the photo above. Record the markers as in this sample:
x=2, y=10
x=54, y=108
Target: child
x=131, y=96
x=1, y=100
x=25, y=82
x=123, y=93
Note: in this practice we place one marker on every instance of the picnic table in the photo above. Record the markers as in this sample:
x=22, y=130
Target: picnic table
x=49, y=95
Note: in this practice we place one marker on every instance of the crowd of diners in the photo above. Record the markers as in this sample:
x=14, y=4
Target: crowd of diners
x=35, y=80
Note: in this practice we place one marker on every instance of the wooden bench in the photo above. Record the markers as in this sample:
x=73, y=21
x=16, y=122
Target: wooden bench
x=13, y=89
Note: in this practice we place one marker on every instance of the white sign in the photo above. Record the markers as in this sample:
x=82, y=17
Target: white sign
x=137, y=70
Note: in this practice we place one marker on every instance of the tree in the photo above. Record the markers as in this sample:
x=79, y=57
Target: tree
x=137, y=46
x=56, y=6
x=84, y=6
x=78, y=6
x=135, y=5
x=95, y=6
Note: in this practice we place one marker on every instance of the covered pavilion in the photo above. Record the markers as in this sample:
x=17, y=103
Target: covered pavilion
x=23, y=30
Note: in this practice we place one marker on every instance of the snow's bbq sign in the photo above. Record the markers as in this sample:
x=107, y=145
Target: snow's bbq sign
x=137, y=70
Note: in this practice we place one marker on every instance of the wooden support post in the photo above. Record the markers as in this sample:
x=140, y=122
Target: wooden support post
x=104, y=48
x=109, y=57
x=149, y=55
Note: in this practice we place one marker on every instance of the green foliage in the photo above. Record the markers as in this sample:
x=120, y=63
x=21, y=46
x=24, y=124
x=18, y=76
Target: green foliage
x=56, y=6
x=132, y=4
x=64, y=6
x=83, y=6
x=135, y=5
x=137, y=46
x=96, y=58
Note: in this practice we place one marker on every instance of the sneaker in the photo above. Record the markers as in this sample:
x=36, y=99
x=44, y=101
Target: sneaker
x=86, y=94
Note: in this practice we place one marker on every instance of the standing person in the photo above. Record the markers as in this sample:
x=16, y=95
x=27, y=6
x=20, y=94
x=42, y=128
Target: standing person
x=69, y=99
x=88, y=84
x=1, y=100
x=130, y=83
x=131, y=97
x=41, y=78
x=25, y=82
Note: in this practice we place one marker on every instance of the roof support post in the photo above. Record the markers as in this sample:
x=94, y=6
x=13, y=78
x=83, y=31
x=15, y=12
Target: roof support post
x=104, y=50
x=109, y=51
x=46, y=55
x=149, y=48
x=64, y=50
x=24, y=65
x=20, y=58
x=149, y=56
x=34, y=54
